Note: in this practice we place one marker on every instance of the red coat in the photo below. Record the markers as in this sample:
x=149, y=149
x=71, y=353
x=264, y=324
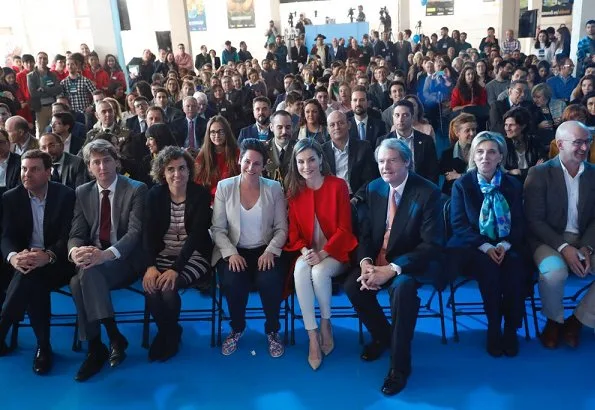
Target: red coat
x=22, y=83
x=456, y=99
x=331, y=205
x=118, y=77
x=99, y=78
x=61, y=76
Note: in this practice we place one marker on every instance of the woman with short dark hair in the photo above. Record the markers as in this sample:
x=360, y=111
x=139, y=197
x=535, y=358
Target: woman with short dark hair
x=177, y=244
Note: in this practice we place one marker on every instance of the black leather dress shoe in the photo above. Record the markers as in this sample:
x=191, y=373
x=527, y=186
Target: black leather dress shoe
x=394, y=382
x=157, y=348
x=95, y=360
x=118, y=351
x=42, y=362
x=373, y=351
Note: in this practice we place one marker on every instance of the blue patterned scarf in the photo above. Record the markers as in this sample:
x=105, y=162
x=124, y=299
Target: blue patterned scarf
x=494, y=218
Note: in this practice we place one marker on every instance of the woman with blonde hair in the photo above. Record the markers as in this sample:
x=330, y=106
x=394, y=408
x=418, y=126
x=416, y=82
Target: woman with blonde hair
x=454, y=160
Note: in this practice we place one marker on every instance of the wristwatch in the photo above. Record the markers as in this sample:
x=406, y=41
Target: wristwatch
x=590, y=249
x=51, y=256
x=394, y=268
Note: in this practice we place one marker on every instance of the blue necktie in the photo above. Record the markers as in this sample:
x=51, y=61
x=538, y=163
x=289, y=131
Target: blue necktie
x=362, y=131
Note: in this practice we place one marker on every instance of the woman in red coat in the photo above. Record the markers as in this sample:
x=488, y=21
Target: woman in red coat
x=320, y=229
x=468, y=91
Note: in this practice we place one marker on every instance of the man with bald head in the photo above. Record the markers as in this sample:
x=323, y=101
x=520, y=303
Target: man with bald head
x=559, y=196
x=351, y=159
x=21, y=140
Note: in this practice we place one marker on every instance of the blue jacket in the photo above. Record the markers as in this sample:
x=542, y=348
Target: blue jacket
x=561, y=89
x=466, y=201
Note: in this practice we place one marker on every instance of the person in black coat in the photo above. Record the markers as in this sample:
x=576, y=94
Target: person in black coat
x=488, y=239
x=39, y=261
x=516, y=93
x=522, y=147
x=177, y=244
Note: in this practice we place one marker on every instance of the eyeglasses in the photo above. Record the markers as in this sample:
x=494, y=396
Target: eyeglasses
x=580, y=143
x=220, y=132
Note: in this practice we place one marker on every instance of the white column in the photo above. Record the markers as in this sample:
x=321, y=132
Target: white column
x=178, y=19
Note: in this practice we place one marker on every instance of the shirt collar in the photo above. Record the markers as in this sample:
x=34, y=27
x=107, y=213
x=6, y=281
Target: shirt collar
x=339, y=151
x=364, y=120
x=45, y=195
x=399, y=136
x=400, y=188
x=581, y=168
x=112, y=187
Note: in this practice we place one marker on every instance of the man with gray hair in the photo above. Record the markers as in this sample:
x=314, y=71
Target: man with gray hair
x=558, y=199
x=105, y=245
x=401, y=238
x=19, y=136
x=190, y=130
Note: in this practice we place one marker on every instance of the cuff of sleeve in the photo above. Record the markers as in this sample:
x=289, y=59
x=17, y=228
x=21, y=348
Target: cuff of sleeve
x=365, y=259
x=396, y=268
x=114, y=251
x=506, y=245
x=485, y=247
x=10, y=255
x=564, y=245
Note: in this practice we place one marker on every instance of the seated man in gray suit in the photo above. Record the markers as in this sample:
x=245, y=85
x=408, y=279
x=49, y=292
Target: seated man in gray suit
x=105, y=244
x=559, y=196
x=67, y=169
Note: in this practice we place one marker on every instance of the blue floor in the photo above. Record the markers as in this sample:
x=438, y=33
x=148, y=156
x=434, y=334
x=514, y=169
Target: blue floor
x=452, y=376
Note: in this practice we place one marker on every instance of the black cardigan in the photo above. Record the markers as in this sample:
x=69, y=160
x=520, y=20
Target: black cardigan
x=197, y=221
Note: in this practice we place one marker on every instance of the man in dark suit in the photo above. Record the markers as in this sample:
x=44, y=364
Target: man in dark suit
x=105, y=245
x=182, y=128
x=10, y=163
x=516, y=92
x=162, y=100
x=36, y=221
x=299, y=54
x=280, y=147
x=261, y=109
x=380, y=88
x=67, y=169
x=402, y=49
x=63, y=124
x=401, y=238
x=363, y=126
x=138, y=123
x=558, y=198
x=425, y=159
x=349, y=158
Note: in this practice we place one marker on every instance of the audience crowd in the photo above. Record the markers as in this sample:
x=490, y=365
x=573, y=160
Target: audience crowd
x=289, y=173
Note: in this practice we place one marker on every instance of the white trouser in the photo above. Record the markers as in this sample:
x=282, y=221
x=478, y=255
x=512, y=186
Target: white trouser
x=553, y=273
x=311, y=281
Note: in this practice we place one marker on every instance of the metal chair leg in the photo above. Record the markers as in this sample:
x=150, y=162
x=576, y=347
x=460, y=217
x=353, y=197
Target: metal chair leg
x=220, y=319
x=146, y=325
x=441, y=310
x=292, y=318
x=526, y=324
x=454, y=313
x=286, y=319
x=213, y=307
x=77, y=346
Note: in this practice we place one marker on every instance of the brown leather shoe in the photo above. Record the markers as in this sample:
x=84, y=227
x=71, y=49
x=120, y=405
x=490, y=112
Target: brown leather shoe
x=572, y=331
x=550, y=334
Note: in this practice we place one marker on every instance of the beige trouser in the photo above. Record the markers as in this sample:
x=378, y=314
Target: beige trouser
x=553, y=273
x=44, y=116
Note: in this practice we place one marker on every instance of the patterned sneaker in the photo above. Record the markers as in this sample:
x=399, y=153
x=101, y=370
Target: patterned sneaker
x=276, y=348
x=231, y=343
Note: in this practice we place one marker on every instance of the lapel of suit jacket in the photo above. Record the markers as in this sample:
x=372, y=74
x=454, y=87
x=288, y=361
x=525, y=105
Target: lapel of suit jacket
x=121, y=190
x=330, y=156
x=404, y=211
x=65, y=169
x=352, y=154
x=92, y=202
x=379, y=210
x=48, y=211
x=27, y=223
x=418, y=150
x=584, y=200
x=557, y=175
x=236, y=204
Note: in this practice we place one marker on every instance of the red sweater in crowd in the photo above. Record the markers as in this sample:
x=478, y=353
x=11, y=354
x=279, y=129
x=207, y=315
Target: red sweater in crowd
x=457, y=100
x=99, y=78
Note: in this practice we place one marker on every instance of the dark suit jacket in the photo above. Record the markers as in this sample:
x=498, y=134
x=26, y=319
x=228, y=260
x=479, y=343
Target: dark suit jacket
x=73, y=172
x=497, y=111
x=78, y=131
x=360, y=162
x=546, y=205
x=251, y=131
x=77, y=141
x=197, y=221
x=465, y=206
x=425, y=159
x=127, y=213
x=201, y=60
x=13, y=171
x=56, y=222
x=447, y=164
x=375, y=129
x=379, y=96
x=416, y=235
x=179, y=128
x=133, y=125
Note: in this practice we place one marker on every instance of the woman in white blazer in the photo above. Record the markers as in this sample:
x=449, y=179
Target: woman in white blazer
x=249, y=230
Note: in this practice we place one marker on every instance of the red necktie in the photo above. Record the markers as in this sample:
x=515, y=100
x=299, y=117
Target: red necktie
x=105, y=220
x=392, y=210
x=191, y=134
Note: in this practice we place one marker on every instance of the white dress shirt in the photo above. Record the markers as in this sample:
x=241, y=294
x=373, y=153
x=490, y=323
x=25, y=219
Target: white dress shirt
x=572, y=193
x=3, y=168
x=342, y=162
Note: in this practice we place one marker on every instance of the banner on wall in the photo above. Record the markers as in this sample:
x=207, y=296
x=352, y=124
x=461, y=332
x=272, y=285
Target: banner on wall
x=440, y=8
x=240, y=14
x=197, y=18
x=556, y=8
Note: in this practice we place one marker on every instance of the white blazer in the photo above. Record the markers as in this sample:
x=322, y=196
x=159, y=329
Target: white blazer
x=225, y=227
